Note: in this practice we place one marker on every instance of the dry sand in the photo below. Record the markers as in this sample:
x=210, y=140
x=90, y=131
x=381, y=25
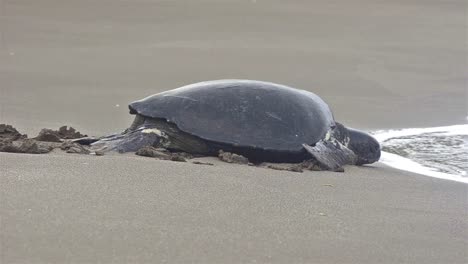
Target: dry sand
x=379, y=64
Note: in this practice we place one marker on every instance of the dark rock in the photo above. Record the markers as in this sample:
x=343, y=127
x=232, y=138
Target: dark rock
x=296, y=167
x=48, y=135
x=163, y=154
x=13, y=141
x=69, y=133
x=284, y=166
x=8, y=132
x=311, y=165
x=150, y=151
x=178, y=157
x=71, y=147
x=64, y=132
x=232, y=158
x=25, y=146
x=99, y=153
x=183, y=154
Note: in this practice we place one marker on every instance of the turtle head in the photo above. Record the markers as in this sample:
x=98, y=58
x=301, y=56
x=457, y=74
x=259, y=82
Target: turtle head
x=364, y=146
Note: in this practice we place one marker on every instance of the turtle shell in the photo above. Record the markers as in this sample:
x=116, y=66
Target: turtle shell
x=243, y=113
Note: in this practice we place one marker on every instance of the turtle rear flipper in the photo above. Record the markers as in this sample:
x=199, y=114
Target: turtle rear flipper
x=85, y=140
x=130, y=141
x=331, y=155
x=88, y=141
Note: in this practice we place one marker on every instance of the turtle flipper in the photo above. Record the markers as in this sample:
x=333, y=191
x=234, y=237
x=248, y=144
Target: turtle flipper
x=130, y=141
x=85, y=140
x=331, y=155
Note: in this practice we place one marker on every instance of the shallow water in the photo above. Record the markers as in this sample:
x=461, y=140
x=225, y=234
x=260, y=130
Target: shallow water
x=440, y=152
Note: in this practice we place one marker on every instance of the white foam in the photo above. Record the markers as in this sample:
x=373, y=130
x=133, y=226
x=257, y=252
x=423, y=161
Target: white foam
x=445, y=130
x=403, y=163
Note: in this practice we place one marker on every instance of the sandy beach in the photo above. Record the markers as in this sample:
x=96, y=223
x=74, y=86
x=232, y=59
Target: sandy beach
x=378, y=64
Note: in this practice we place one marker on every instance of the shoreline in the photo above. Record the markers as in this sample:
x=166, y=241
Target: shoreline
x=407, y=164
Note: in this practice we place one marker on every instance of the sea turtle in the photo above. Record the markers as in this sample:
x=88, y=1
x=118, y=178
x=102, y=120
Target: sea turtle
x=262, y=121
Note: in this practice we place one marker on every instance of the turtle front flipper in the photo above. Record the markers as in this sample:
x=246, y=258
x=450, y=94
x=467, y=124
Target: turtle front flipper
x=331, y=155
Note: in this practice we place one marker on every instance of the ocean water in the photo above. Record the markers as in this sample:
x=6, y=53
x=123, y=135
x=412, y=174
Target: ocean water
x=440, y=152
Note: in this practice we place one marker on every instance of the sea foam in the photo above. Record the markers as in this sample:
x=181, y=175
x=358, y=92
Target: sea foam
x=427, y=150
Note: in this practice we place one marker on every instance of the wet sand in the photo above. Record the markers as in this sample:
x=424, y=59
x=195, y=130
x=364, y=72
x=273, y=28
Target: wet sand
x=378, y=65
x=127, y=209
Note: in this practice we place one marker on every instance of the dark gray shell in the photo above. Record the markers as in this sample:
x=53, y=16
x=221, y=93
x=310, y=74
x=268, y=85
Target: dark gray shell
x=243, y=113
